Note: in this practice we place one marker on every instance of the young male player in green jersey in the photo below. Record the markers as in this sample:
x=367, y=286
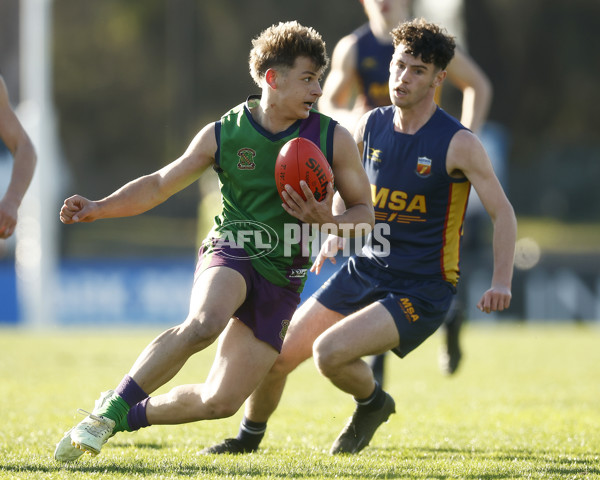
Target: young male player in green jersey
x=248, y=277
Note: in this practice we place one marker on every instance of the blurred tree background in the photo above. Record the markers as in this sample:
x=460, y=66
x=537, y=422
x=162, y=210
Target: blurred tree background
x=134, y=81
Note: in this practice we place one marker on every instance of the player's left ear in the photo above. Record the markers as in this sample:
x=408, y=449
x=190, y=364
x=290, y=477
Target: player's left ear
x=439, y=78
x=271, y=78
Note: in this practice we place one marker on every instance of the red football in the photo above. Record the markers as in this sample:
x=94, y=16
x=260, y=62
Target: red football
x=300, y=159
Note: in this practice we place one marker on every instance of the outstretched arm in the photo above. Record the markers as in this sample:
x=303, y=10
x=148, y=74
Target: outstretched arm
x=144, y=193
x=18, y=142
x=467, y=155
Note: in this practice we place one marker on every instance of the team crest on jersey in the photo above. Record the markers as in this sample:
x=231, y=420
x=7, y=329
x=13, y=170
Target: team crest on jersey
x=246, y=159
x=423, y=167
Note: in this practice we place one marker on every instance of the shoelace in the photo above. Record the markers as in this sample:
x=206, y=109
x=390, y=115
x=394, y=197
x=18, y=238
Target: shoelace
x=98, y=429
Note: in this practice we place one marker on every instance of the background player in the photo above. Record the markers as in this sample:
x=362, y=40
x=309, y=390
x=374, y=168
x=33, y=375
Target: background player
x=234, y=287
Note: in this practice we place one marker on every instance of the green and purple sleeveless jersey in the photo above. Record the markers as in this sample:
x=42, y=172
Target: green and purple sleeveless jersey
x=252, y=216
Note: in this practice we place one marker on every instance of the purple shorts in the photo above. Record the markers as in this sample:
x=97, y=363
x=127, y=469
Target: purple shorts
x=268, y=308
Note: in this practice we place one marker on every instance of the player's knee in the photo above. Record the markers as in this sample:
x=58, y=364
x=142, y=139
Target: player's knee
x=220, y=406
x=283, y=366
x=327, y=356
x=199, y=331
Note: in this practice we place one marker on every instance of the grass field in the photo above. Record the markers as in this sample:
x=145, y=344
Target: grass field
x=525, y=404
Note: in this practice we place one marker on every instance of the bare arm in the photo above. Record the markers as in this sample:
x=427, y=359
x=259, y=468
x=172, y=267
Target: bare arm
x=144, y=193
x=476, y=89
x=341, y=86
x=18, y=142
x=339, y=205
x=351, y=181
x=467, y=155
x=333, y=244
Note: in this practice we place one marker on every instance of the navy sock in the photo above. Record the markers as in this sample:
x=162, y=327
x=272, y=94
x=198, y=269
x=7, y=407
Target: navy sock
x=373, y=402
x=130, y=391
x=136, y=417
x=251, y=433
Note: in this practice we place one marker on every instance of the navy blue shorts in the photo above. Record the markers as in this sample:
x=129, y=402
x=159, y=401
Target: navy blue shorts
x=418, y=306
x=268, y=308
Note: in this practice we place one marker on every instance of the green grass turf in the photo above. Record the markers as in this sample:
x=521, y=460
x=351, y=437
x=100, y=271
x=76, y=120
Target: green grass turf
x=524, y=404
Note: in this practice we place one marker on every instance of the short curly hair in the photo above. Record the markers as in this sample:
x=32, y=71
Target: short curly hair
x=280, y=45
x=430, y=41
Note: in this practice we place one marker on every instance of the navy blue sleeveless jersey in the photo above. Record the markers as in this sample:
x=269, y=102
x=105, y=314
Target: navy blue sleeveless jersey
x=413, y=193
x=373, y=65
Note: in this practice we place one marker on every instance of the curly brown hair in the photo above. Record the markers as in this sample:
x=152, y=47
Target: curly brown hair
x=430, y=41
x=280, y=45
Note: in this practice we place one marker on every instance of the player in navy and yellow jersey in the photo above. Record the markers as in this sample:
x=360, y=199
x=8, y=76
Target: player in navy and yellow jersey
x=372, y=65
x=250, y=271
x=413, y=194
x=358, y=82
x=421, y=164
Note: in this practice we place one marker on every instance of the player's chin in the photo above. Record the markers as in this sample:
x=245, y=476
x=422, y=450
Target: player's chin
x=307, y=107
x=399, y=101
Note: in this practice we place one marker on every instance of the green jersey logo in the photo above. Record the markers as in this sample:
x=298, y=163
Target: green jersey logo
x=246, y=159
